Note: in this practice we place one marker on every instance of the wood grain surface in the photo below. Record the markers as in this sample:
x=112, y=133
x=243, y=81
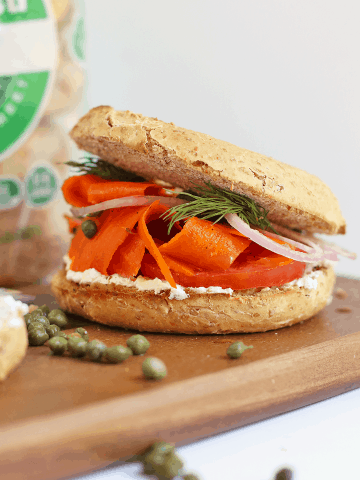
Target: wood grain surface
x=61, y=416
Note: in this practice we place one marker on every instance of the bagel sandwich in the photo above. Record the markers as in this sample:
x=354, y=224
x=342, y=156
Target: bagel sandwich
x=176, y=231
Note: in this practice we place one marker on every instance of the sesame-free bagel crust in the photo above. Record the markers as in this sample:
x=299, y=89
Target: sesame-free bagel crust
x=158, y=150
x=201, y=313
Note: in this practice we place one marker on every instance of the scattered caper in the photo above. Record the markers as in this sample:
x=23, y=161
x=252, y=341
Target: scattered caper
x=190, y=476
x=236, y=349
x=89, y=228
x=36, y=325
x=38, y=336
x=117, y=354
x=45, y=309
x=63, y=334
x=52, y=330
x=27, y=319
x=284, y=474
x=83, y=333
x=36, y=313
x=138, y=344
x=154, y=368
x=161, y=460
x=58, y=345
x=41, y=319
x=77, y=346
x=95, y=350
x=58, y=317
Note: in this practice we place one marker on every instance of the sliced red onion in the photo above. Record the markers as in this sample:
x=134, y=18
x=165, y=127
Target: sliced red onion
x=305, y=240
x=307, y=247
x=335, y=248
x=311, y=256
x=330, y=249
x=125, y=202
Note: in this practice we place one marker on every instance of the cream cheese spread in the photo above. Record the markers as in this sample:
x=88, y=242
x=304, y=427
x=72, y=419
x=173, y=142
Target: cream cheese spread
x=13, y=334
x=12, y=311
x=90, y=276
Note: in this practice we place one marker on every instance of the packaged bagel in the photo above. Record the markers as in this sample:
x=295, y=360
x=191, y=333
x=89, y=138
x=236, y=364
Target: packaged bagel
x=42, y=84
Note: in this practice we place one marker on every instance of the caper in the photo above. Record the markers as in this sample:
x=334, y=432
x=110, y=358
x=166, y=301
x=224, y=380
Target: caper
x=162, y=460
x=35, y=314
x=284, y=474
x=117, y=354
x=63, y=334
x=95, y=350
x=36, y=326
x=58, y=317
x=89, y=228
x=190, y=476
x=41, y=319
x=83, y=333
x=138, y=344
x=154, y=368
x=27, y=318
x=171, y=466
x=52, y=330
x=155, y=456
x=77, y=346
x=45, y=309
x=236, y=349
x=37, y=336
x=58, y=345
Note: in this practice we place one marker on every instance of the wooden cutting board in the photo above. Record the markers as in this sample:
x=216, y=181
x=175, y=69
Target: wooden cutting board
x=61, y=416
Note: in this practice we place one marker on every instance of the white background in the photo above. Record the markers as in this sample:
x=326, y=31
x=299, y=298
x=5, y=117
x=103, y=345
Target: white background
x=280, y=77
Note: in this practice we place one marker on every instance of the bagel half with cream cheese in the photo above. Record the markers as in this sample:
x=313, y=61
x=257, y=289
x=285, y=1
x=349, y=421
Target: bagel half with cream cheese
x=233, y=278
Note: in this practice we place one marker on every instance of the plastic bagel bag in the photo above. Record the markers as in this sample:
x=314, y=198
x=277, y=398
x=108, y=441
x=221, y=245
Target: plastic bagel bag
x=42, y=85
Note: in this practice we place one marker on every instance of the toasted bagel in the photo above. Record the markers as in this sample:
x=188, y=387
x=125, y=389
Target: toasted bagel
x=158, y=150
x=200, y=313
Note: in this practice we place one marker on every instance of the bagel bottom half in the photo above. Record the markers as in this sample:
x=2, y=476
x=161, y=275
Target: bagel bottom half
x=200, y=313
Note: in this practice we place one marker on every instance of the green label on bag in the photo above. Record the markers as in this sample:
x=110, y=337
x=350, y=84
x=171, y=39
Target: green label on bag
x=21, y=10
x=10, y=193
x=41, y=186
x=20, y=99
x=79, y=39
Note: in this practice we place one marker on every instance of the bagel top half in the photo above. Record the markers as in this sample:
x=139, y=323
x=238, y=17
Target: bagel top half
x=158, y=150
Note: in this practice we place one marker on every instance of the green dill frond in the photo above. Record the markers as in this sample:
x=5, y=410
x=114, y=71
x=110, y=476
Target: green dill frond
x=213, y=203
x=106, y=170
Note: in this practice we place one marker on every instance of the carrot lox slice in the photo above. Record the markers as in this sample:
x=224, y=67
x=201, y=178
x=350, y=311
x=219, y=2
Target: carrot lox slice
x=97, y=252
x=126, y=261
x=75, y=189
x=205, y=245
x=179, y=266
x=152, y=212
x=101, y=192
x=79, y=241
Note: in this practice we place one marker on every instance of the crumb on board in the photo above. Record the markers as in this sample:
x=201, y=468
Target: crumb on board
x=341, y=293
x=343, y=310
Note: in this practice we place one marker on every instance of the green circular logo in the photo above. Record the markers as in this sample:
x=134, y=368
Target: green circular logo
x=11, y=192
x=41, y=186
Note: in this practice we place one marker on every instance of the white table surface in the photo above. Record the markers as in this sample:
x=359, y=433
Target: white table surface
x=318, y=442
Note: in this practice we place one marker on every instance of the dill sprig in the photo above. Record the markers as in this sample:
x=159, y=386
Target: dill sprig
x=213, y=203
x=106, y=170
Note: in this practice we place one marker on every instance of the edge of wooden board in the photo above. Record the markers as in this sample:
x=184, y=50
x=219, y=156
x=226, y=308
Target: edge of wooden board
x=81, y=440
